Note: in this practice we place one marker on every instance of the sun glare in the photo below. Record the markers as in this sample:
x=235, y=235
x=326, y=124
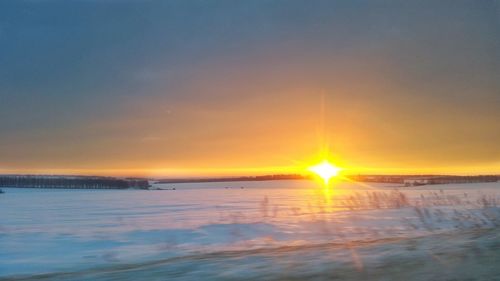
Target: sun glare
x=325, y=170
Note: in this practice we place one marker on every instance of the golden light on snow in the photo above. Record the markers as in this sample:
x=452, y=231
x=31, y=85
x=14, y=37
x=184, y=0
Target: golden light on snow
x=325, y=170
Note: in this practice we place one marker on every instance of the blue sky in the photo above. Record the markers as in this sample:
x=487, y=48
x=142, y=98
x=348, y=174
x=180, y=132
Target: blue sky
x=194, y=86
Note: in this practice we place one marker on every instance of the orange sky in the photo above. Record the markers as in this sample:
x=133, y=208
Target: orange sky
x=238, y=89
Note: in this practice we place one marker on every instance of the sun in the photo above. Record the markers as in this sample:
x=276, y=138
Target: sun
x=325, y=170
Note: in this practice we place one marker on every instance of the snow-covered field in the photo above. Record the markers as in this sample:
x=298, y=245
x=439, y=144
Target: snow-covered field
x=280, y=230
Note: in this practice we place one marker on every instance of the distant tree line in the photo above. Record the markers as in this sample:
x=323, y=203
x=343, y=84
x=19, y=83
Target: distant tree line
x=462, y=179
x=232, y=179
x=79, y=182
x=430, y=179
x=399, y=179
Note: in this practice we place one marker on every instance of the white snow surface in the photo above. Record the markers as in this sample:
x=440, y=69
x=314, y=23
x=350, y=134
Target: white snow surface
x=227, y=231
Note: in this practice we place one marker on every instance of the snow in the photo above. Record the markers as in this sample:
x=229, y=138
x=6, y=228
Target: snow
x=269, y=230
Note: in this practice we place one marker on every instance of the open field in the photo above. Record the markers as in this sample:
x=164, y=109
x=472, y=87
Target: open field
x=281, y=230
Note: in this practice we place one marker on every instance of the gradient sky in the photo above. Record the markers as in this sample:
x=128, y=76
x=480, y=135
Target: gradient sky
x=236, y=87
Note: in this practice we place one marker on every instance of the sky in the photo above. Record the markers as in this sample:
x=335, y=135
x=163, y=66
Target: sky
x=216, y=87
